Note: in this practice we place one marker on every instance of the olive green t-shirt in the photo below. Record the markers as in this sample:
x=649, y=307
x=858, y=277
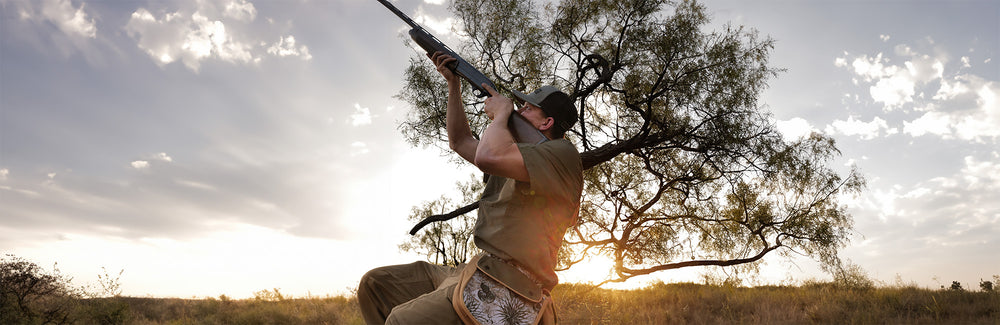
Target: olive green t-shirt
x=526, y=221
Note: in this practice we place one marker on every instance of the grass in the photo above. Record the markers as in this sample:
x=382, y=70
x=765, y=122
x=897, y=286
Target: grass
x=313, y=310
x=808, y=304
x=683, y=303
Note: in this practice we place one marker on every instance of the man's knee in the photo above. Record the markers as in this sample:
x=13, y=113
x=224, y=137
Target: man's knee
x=431, y=308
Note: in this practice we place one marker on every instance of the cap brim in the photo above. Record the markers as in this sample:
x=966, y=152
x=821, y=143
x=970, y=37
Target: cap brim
x=526, y=98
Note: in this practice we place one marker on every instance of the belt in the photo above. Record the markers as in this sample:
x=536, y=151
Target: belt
x=520, y=268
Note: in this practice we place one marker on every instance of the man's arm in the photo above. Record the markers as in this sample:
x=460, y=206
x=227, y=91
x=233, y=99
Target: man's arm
x=497, y=152
x=460, y=138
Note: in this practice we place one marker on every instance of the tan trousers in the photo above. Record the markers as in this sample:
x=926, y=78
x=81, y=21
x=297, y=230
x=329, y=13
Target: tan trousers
x=415, y=293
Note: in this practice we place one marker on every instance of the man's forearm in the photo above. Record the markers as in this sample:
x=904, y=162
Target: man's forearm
x=460, y=137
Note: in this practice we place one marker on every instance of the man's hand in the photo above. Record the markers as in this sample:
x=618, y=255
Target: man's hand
x=497, y=106
x=441, y=61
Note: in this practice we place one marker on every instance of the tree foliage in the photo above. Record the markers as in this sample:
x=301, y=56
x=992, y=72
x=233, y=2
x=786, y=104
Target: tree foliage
x=30, y=295
x=684, y=166
x=448, y=242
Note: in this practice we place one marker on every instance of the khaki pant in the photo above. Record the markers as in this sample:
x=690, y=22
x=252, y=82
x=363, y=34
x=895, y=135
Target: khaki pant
x=415, y=293
x=421, y=293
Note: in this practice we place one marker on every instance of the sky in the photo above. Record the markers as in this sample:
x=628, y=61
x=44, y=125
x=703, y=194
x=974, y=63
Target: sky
x=208, y=147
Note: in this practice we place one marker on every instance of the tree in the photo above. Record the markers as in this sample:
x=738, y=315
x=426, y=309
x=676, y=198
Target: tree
x=684, y=166
x=30, y=295
x=448, y=242
x=985, y=285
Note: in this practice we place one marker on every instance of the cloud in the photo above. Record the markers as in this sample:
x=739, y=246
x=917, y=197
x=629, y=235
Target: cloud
x=930, y=123
x=866, y=130
x=164, y=157
x=188, y=38
x=60, y=13
x=286, y=47
x=439, y=27
x=963, y=106
x=55, y=27
x=219, y=30
x=361, y=116
x=953, y=216
x=140, y=164
x=894, y=90
x=144, y=164
x=3, y=173
x=895, y=85
x=359, y=148
x=180, y=200
x=794, y=129
x=241, y=10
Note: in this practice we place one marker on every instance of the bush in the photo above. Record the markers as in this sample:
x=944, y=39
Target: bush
x=31, y=295
x=987, y=286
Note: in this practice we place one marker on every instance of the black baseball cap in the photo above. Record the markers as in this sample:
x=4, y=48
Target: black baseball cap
x=554, y=103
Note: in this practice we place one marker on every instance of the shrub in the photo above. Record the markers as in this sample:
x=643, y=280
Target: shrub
x=31, y=295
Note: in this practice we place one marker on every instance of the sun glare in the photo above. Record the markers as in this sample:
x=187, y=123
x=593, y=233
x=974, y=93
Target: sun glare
x=594, y=270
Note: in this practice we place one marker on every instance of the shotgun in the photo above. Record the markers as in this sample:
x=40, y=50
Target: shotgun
x=520, y=128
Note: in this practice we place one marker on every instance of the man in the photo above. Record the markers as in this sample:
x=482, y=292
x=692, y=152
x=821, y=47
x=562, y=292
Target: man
x=531, y=198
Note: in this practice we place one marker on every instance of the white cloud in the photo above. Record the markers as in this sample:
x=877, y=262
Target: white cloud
x=164, y=157
x=144, y=164
x=359, y=148
x=794, y=129
x=953, y=216
x=140, y=164
x=286, y=47
x=894, y=90
x=438, y=27
x=973, y=110
x=866, y=130
x=870, y=68
x=3, y=174
x=361, y=116
x=964, y=106
x=895, y=85
x=62, y=14
x=884, y=38
x=840, y=62
x=434, y=2
x=951, y=89
x=212, y=29
x=188, y=38
x=930, y=123
x=241, y=10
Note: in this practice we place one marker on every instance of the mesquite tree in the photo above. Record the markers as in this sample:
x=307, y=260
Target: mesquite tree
x=684, y=167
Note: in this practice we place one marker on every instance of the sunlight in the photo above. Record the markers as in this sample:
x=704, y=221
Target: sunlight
x=594, y=270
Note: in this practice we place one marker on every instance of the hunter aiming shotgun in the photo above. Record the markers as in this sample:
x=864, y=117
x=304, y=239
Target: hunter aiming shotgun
x=520, y=128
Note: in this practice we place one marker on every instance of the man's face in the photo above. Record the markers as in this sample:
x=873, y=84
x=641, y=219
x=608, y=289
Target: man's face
x=534, y=114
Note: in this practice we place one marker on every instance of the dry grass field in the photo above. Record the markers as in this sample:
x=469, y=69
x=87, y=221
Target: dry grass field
x=31, y=295
x=658, y=304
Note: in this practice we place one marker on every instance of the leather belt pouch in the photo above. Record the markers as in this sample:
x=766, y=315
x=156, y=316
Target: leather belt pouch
x=511, y=277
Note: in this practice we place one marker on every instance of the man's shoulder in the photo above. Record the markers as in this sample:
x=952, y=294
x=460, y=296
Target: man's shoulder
x=561, y=145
